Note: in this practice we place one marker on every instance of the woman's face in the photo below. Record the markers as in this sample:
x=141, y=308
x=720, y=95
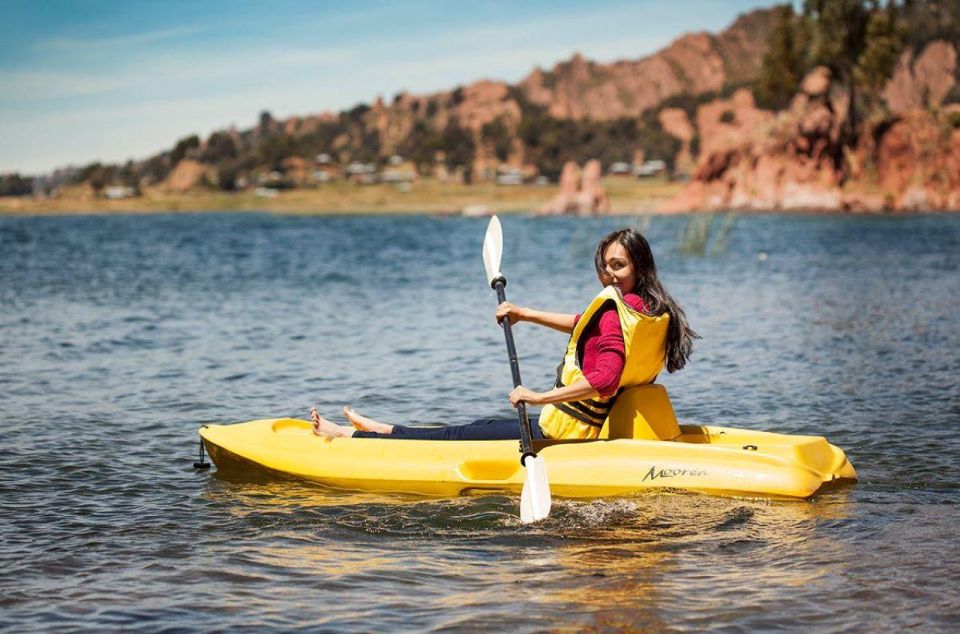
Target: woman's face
x=618, y=268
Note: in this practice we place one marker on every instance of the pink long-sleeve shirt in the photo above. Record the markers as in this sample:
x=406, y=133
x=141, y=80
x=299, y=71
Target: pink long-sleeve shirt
x=603, y=350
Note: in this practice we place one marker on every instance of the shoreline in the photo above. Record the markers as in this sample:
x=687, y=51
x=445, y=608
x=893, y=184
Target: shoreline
x=627, y=196
x=428, y=197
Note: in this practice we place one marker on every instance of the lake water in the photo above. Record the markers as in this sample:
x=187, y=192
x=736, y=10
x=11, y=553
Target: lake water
x=121, y=335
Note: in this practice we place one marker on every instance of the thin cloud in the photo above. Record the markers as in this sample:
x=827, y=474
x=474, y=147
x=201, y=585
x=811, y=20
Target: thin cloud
x=30, y=86
x=175, y=72
x=117, y=41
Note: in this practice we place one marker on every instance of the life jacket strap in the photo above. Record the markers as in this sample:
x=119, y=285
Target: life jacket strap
x=583, y=418
x=589, y=411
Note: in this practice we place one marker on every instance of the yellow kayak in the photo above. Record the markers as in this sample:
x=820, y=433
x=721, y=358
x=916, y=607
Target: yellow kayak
x=628, y=458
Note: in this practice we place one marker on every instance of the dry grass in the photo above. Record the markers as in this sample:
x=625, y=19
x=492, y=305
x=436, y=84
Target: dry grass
x=627, y=195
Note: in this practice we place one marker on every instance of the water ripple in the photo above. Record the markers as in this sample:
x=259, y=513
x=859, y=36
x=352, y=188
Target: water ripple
x=120, y=335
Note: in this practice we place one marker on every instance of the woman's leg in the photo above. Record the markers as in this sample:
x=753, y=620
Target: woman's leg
x=364, y=423
x=325, y=429
x=482, y=429
x=328, y=429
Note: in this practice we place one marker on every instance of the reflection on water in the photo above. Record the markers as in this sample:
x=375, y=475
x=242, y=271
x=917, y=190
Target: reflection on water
x=119, y=336
x=597, y=564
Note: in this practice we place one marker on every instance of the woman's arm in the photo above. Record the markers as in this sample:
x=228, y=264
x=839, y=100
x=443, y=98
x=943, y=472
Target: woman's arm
x=557, y=321
x=603, y=363
x=576, y=391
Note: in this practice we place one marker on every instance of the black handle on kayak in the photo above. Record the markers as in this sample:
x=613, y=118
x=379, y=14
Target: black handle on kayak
x=526, y=447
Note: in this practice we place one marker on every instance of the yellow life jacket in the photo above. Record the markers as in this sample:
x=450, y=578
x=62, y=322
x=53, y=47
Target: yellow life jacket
x=644, y=340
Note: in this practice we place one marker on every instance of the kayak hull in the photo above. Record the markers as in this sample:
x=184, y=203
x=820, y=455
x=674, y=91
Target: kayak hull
x=715, y=460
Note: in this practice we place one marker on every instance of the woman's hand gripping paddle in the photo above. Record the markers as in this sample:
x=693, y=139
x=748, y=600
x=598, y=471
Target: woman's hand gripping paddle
x=535, y=496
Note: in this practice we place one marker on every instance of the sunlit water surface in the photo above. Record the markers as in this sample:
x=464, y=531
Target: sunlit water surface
x=120, y=335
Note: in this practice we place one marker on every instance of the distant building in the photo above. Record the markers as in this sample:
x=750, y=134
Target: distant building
x=273, y=180
x=510, y=179
x=399, y=171
x=119, y=192
x=510, y=176
x=649, y=168
x=362, y=173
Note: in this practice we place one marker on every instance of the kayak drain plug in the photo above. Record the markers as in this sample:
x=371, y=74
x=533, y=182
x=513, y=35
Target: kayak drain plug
x=202, y=463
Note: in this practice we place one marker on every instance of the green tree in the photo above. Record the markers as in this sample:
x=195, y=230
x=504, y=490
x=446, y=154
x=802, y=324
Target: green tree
x=15, y=185
x=421, y=144
x=220, y=147
x=273, y=149
x=928, y=20
x=548, y=141
x=785, y=61
x=97, y=175
x=856, y=40
x=655, y=141
x=227, y=174
x=458, y=147
x=321, y=138
x=266, y=123
x=607, y=141
x=497, y=135
x=886, y=35
x=183, y=147
x=156, y=168
x=129, y=176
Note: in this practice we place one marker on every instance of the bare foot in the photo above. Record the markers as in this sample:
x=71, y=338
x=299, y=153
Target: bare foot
x=324, y=428
x=364, y=423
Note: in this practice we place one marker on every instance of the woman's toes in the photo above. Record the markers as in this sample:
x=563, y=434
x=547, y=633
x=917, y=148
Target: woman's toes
x=353, y=417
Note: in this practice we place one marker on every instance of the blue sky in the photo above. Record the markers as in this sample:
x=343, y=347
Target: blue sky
x=112, y=80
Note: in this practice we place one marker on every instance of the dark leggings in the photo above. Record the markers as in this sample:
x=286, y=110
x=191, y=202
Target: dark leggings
x=482, y=429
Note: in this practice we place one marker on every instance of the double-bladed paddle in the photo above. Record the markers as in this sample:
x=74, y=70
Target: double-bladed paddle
x=535, y=496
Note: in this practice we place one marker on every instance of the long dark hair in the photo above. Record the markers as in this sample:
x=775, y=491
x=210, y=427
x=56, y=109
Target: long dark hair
x=655, y=297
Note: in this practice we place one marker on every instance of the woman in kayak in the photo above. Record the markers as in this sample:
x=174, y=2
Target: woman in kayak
x=625, y=337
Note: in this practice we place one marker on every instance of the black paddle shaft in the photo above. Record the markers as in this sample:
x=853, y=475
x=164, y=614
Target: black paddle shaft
x=526, y=448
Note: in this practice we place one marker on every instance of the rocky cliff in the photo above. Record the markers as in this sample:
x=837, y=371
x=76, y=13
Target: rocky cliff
x=689, y=105
x=907, y=158
x=693, y=64
x=578, y=89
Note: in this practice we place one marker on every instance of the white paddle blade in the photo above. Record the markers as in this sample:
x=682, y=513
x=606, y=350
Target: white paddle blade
x=535, y=498
x=493, y=249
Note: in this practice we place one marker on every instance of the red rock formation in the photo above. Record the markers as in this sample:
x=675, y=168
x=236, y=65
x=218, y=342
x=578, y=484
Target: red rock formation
x=570, y=179
x=752, y=160
x=187, y=175
x=297, y=169
x=565, y=200
x=917, y=162
x=694, y=63
x=592, y=198
x=922, y=81
x=675, y=122
x=726, y=124
x=579, y=193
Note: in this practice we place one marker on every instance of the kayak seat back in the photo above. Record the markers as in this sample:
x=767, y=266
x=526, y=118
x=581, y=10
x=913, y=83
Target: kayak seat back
x=643, y=412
